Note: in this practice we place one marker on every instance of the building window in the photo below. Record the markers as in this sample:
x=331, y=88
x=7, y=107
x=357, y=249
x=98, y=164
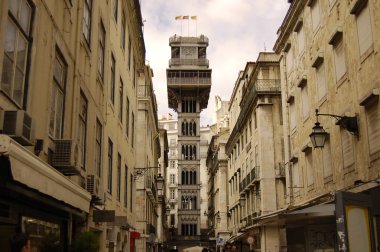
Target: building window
x=113, y=79
x=82, y=130
x=321, y=81
x=129, y=52
x=315, y=14
x=133, y=129
x=296, y=182
x=305, y=101
x=123, y=27
x=300, y=39
x=292, y=115
x=131, y=190
x=86, y=28
x=98, y=148
x=347, y=151
x=327, y=162
x=57, y=96
x=115, y=6
x=102, y=49
x=126, y=187
x=373, y=129
x=121, y=105
x=172, y=194
x=16, y=44
x=172, y=164
x=340, y=63
x=363, y=25
x=309, y=167
x=172, y=179
x=110, y=161
x=172, y=219
x=289, y=59
x=127, y=118
x=118, y=194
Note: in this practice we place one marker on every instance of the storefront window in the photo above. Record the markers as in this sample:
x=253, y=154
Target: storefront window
x=43, y=235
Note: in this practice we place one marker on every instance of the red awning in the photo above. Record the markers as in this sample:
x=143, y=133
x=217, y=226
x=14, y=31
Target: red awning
x=135, y=235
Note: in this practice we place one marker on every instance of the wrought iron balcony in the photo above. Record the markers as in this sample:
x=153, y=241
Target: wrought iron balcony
x=249, y=180
x=189, y=80
x=188, y=62
x=180, y=39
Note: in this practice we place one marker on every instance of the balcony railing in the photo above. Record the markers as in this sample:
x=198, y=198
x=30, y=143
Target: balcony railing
x=192, y=62
x=151, y=188
x=189, y=81
x=180, y=39
x=251, y=178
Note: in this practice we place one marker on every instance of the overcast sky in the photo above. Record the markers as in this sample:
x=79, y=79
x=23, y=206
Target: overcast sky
x=237, y=30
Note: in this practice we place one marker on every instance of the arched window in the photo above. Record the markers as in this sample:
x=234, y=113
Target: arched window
x=194, y=128
x=183, y=128
x=183, y=178
x=194, y=177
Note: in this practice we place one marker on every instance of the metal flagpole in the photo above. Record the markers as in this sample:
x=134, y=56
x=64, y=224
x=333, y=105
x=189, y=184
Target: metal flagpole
x=196, y=24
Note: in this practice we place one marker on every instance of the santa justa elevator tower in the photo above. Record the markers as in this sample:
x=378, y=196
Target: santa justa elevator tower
x=189, y=84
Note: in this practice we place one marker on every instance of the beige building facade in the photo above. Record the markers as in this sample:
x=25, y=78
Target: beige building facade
x=255, y=174
x=328, y=57
x=69, y=112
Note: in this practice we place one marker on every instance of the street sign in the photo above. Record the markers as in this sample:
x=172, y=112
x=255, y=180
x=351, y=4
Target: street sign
x=104, y=215
x=250, y=240
x=219, y=241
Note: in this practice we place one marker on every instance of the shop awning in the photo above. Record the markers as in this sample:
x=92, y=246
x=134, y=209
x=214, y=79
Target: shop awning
x=317, y=210
x=31, y=171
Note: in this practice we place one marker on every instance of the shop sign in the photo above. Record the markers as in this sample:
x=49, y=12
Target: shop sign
x=104, y=215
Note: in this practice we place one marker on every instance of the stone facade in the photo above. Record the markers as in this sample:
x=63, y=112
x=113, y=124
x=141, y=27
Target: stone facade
x=328, y=56
x=69, y=73
x=255, y=174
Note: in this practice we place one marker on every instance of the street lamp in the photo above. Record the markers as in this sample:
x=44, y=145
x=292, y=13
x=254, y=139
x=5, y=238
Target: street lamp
x=218, y=219
x=318, y=134
x=160, y=183
x=242, y=201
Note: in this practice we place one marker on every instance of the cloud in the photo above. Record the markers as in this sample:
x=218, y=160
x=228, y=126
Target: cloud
x=237, y=30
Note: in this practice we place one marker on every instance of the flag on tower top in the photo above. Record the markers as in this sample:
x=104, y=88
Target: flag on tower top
x=194, y=17
x=185, y=17
x=178, y=17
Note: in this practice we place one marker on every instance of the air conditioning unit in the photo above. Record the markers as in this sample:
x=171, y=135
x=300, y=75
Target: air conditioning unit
x=93, y=184
x=18, y=125
x=65, y=156
x=94, y=187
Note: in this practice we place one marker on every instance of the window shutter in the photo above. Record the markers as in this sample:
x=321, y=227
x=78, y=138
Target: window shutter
x=327, y=164
x=373, y=127
x=321, y=81
x=340, y=63
x=347, y=148
x=363, y=22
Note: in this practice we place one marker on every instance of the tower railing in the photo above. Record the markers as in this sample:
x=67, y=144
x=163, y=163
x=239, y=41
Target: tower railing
x=191, y=80
x=189, y=62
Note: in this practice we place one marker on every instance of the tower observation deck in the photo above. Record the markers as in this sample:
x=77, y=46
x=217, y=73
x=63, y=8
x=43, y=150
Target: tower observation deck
x=189, y=84
x=188, y=73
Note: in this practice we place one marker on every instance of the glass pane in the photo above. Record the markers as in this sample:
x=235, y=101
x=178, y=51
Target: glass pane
x=22, y=49
x=59, y=114
x=52, y=110
x=10, y=39
x=7, y=75
x=24, y=18
x=18, y=87
x=57, y=71
x=12, y=6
